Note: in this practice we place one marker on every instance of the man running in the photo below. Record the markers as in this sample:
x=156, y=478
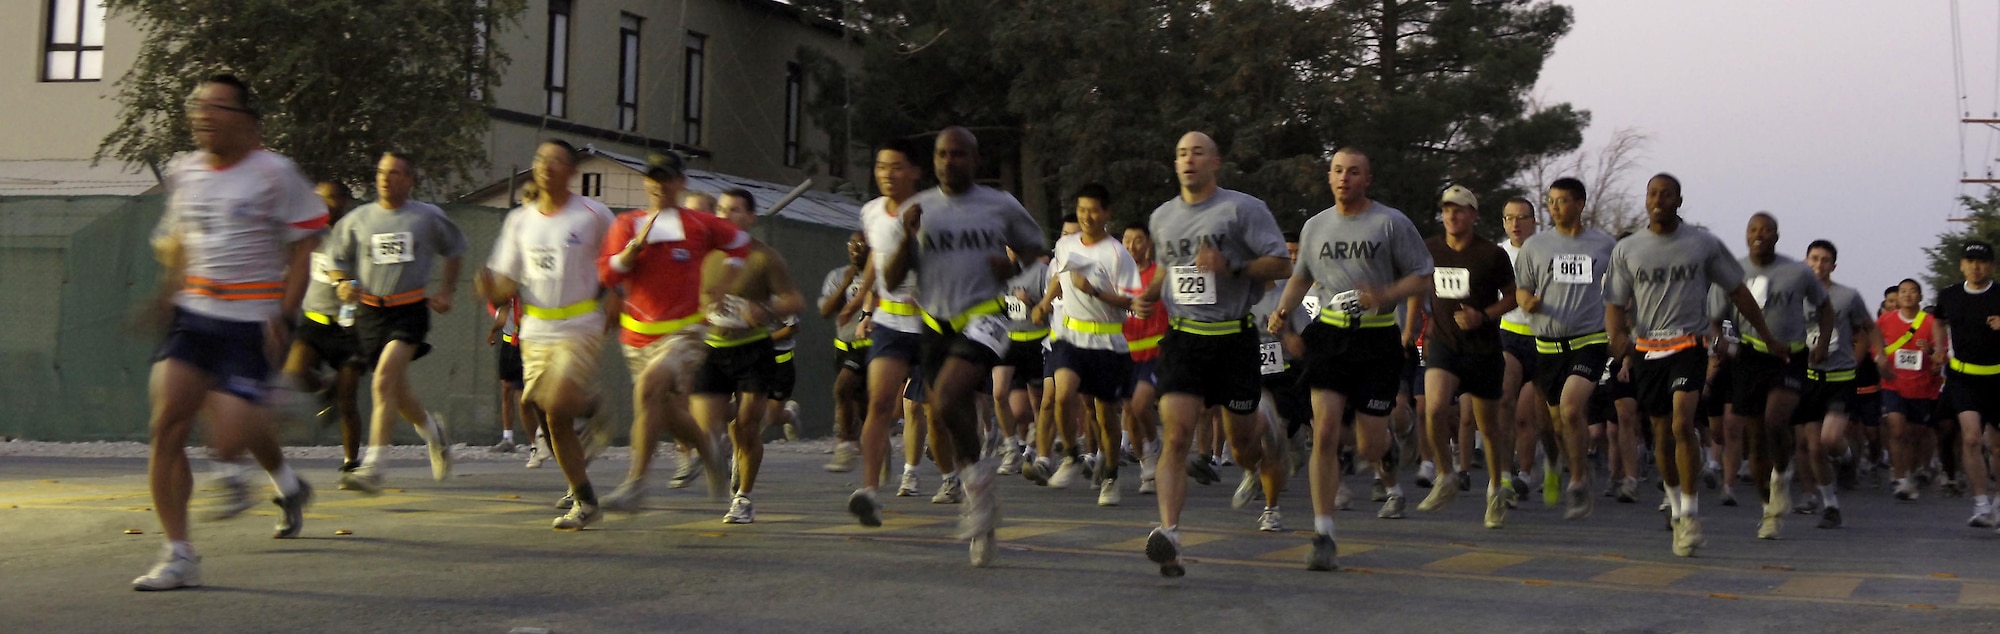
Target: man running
x=324, y=339
x=1665, y=272
x=1830, y=398
x=1142, y=336
x=1097, y=281
x=1560, y=277
x=655, y=257
x=547, y=255
x=956, y=236
x=387, y=248
x=742, y=361
x=1768, y=385
x=1519, y=410
x=235, y=247
x=1970, y=319
x=1017, y=381
x=850, y=381
x=1473, y=286
x=1910, y=388
x=892, y=328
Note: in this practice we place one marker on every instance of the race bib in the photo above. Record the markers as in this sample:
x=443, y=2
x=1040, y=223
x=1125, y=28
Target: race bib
x=1193, y=287
x=1269, y=359
x=1453, y=282
x=1348, y=302
x=989, y=331
x=320, y=263
x=392, y=248
x=1907, y=359
x=1311, y=305
x=1017, y=310
x=1571, y=268
x=1760, y=288
x=545, y=264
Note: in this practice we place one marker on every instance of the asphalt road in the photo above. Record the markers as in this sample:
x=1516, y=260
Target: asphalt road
x=475, y=554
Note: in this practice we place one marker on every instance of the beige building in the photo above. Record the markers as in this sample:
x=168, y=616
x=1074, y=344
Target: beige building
x=718, y=80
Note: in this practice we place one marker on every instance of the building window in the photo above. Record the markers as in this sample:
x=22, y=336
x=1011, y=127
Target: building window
x=593, y=184
x=697, y=45
x=795, y=89
x=628, y=72
x=74, y=48
x=558, y=75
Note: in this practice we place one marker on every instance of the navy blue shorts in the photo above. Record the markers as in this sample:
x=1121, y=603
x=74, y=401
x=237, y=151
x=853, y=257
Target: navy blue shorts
x=1914, y=410
x=1146, y=372
x=230, y=351
x=895, y=344
x=1101, y=374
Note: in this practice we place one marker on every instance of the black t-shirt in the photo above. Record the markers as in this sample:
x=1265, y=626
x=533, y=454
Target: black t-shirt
x=1472, y=277
x=1972, y=341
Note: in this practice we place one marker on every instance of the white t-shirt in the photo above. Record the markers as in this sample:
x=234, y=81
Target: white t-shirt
x=1109, y=269
x=234, y=225
x=1516, y=316
x=554, y=259
x=885, y=238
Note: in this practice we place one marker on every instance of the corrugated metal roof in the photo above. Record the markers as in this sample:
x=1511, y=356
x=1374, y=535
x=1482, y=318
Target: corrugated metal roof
x=816, y=207
x=70, y=177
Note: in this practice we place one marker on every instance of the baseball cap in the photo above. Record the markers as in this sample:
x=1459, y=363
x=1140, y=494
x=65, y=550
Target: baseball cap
x=1977, y=250
x=665, y=166
x=1459, y=195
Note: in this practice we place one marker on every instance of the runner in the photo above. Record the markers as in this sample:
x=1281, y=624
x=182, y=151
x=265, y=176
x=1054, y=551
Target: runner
x=1767, y=385
x=1970, y=319
x=893, y=328
x=1142, y=336
x=1284, y=405
x=1520, y=408
x=547, y=255
x=235, y=247
x=1017, y=381
x=850, y=381
x=1665, y=272
x=1220, y=245
x=1910, y=389
x=1830, y=399
x=1054, y=435
x=741, y=361
x=1097, y=280
x=960, y=250
x=1366, y=258
x=1473, y=286
x=1561, y=287
x=323, y=338
x=655, y=258
x=504, y=336
x=382, y=256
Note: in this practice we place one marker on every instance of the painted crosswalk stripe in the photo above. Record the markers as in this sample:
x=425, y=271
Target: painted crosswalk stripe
x=1011, y=533
x=1655, y=576
x=1816, y=586
x=888, y=523
x=1982, y=594
x=1299, y=552
x=1476, y=563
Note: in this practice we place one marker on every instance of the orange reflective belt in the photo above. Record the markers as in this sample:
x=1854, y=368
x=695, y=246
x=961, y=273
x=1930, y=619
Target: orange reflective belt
x=235, y=292
x=1671, y=344
x=399, y=299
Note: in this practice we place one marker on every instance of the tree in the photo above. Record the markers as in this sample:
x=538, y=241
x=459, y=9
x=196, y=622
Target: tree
x=1982, y=220
x=1610, y=204
x=337, y=81
x=1065, y=93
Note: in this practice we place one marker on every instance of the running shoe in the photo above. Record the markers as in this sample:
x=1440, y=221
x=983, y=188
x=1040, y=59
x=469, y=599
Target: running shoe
x=1465, y=480
x=539, y=453
x=844, y=457
x=171, y=572
x=1066, y=474
x=685, y=474
x=579, y=516
x=1691, y=537
x=1202, y=469
x=1325, y=555
x=1038, y=471
x=950, y=491
x=366, y=479
x=1521, y=487
x=1377, y=492
x=740, y=512
x=1010, y=460
x=1982, y=517
x=440, y=447
x=1579, y=504
x=1496, y=509
x=1342, y=500
x=1830, y=517
x=1107, y=493
x=236, y=498
x=1392, y=508
x=505, y=446
x=1246, y=490
x=292, y=511
x=566, y=502
x=1808, y=505
x=1439, y=498
x=865, y=509
x=1148, y=487
x=1771, y=525
x=910, y=486
x=625, y=499
x=1271, y=521
x=1906, y=490
x=1163, y=547
x=985, y=549
x=1711, y=477
x=980, y=514
x=1427, y=474
x=1628, y=491
x=1728, y=496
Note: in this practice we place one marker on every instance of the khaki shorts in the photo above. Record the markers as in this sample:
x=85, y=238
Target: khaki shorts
x=684, y=349
x=574, y=360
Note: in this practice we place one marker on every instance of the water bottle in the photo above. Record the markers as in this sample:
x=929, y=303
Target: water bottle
x=347, y=310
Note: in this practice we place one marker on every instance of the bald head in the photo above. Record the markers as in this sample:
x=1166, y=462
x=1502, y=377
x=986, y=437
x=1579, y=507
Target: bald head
x=956, y=159
x=1196, y=161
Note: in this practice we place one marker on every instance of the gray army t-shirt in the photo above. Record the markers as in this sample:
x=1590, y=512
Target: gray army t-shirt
x=1665, y=278
x=1567, y=272
x=1237, y=224
x=1849, y=314
x=394, y=250
x=1375, y=248
x=1785, y=289
x=956, y=241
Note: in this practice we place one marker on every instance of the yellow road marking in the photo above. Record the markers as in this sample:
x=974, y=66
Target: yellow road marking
x=1011, y=533
x=1476, y=563
x=1980, y=594
x=1655, y=576
x=1299, y=552
x=888, y=523
x=1819, y=586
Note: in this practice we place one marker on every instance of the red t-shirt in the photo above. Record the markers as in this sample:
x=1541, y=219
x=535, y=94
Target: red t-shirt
x=1143, y=335
x=1916, y=371
x=665, y=281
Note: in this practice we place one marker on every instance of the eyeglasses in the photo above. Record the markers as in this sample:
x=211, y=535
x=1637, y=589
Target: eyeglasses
x=197, y=106
x=1515, y=218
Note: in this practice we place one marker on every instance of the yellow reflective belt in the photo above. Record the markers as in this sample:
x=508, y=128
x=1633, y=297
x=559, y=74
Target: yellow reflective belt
x=558, y=314
x=1559, y=346
x=898, y=308
x=507, y=338
x=1516, y=328
x=1094, y=327
x=321, y=318
x=1974, y=369
x=1835, y=376
x=857, y=344
x=1210, y=328
x=657, y=327
x=1028, y=335
x=1144, y=344
x=1905, y=339
x=715, y=341
x=785, y=357
x=1760, y=346
x=1339, y=319
x=989, y=307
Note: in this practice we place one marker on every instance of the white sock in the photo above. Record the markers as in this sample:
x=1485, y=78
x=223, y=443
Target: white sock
x=1690, y=505
x=1323, y=524
x=949, y=475
x=1492, y=490
x=1982, y=501
x=428, y=430
x=286, y=481
x=1396, y=490
x=507, y=435
x=180, y=549
x=1832, y=499
x=1674, y=502
x=909, y=468
x=372, y=455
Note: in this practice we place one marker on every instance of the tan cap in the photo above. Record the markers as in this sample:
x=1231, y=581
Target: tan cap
x=1458, y=194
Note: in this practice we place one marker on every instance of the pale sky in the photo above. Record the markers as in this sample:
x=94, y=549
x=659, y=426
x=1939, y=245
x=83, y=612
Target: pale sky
x=1838, y=117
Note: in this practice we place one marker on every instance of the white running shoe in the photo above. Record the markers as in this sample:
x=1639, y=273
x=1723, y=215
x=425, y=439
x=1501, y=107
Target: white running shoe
x=171, y=572
x=845, y=454
x=440, y=447
x=1163, y=547
x=539, y=453
x=910, y=486
x=950, y=491
x=1246, y=490
x=1271, y=521
x=740, y=512
x=579, y=516
x=1148, y=487
x=1066, y=474
x=1427, y=474
x=981, y=514
x=625, y=499
x=1107, y=494
x=1010, y=459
